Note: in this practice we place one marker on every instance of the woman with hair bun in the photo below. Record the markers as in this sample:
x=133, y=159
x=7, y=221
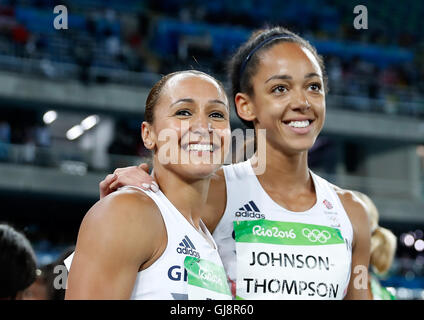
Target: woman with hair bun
x=383, y=249
x=137, y=244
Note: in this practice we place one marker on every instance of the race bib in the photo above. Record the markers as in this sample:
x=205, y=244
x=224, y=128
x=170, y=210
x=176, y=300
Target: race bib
x=206, y=280
x=288, y=260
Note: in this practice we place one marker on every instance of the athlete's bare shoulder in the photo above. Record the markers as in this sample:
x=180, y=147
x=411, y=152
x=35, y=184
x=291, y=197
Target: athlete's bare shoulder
x=355, y=209
x=351, y=203
x=357, y=213
x=126, y=218
x=349, y=199
x=119, y=235
x=124, y=204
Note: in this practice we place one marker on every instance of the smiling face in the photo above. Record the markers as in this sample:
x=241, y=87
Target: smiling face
x=191, y=128
x=288, y=97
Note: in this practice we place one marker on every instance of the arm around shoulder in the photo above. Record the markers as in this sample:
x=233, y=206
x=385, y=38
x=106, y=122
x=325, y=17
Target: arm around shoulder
x=118, y=234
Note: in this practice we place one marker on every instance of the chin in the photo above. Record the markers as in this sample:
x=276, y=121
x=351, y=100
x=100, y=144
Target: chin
x=299, y=146
x=197, y=171
x=295, y=142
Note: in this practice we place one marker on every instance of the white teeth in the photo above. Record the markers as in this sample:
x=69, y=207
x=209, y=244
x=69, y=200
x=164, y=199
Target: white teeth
x=200, y=147
x=299, y=124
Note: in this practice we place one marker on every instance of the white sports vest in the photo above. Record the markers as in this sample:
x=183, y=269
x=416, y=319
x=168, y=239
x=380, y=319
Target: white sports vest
x=166, y=278
x=283, y=254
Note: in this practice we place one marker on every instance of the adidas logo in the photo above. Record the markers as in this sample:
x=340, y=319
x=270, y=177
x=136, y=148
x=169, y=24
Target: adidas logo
x=249, y=210
x=187, y=247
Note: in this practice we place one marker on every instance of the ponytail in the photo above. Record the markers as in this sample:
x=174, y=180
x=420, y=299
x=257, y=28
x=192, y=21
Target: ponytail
x=383, y=248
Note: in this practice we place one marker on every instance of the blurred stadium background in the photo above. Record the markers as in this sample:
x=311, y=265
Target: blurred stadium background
x=71, y=103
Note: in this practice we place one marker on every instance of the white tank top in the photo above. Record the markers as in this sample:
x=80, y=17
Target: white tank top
x=247, y=200
x=166, y=278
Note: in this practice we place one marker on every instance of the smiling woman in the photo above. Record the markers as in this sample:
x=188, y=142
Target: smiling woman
x=130, y=241
x=279, y=85
x=183, y=134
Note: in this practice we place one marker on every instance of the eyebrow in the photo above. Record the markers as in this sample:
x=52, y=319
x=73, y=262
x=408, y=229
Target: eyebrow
x=287, y=77
x=312, y=74
x=279, y=77
x=217, y=101
x=189, y=100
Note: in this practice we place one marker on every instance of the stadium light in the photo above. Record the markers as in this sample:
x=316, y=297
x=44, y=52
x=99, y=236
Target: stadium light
x=89, y=122
x=49, y=116
x=409, y=240
x=419, y=245
x=74, y=132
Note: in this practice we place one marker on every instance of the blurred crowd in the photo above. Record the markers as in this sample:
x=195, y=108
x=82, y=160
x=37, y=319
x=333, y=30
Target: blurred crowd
x=26, y=139
x=107, y=39
x=24, y=128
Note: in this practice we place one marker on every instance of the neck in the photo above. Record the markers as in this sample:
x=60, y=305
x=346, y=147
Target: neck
x=284, y=170
x=188, y=196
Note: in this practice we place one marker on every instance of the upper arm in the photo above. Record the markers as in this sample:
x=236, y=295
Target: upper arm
x=114, y=239
x=356, y=210
x=216, y=201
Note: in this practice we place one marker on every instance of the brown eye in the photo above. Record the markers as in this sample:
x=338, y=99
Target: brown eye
x=279, y=89
x=184, y=113
x=315, y=86
x=219, y=115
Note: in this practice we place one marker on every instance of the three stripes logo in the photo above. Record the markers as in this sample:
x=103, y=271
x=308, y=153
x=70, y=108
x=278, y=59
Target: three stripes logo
x=250, y=210
x=187, y=247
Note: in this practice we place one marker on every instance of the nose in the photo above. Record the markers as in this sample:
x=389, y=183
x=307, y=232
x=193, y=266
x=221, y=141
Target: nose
x=201, y=125
x=299, y=101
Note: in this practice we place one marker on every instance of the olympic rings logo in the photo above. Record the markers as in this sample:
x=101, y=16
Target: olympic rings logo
x=315, y=235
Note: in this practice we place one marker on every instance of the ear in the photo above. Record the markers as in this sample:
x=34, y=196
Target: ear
x=148, y=136
x=244, y=107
